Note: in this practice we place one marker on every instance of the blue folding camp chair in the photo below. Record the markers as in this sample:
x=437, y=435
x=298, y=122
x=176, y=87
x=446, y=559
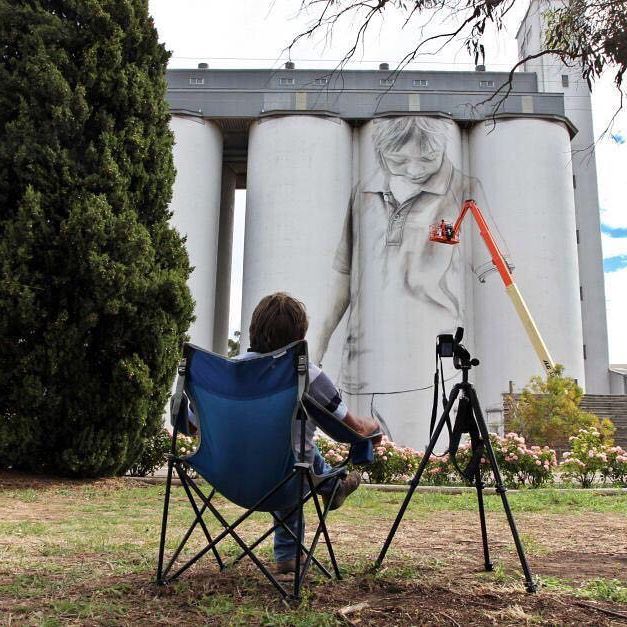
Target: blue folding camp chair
x=247, y=411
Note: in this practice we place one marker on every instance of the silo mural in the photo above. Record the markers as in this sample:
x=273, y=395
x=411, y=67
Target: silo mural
x=399, y=290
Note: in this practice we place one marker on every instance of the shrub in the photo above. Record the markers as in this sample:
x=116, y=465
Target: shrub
x=616, y=471
x=439, y=471
x=156, y=449
x=589, y=457
x=153, y=456
x=333, y=452
x=520, y=465
x=392, y=463
x=525, y=466
x=185, y=444
x=94, y=304
x=548, y=411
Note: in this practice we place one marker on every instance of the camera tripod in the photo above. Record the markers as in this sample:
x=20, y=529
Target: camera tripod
x=469, y=420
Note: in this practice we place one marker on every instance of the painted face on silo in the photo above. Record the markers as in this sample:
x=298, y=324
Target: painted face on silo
x=412, y=147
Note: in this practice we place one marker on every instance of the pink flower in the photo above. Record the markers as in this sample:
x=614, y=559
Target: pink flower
x=538, y=462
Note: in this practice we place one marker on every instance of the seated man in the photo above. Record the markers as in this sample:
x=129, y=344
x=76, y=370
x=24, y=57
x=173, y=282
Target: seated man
x=277, y=321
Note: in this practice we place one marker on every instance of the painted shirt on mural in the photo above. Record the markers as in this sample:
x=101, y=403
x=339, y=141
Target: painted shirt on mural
x=404, y=289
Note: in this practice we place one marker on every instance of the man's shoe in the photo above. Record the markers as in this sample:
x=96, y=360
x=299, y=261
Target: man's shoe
x=347, y=486
x=284, y=571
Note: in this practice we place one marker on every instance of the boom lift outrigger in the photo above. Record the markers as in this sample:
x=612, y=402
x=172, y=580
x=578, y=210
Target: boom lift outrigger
x=447, y=233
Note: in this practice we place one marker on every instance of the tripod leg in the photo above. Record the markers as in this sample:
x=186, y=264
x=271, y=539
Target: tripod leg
x=530, y=584
x=484, y=530
x=414, y=482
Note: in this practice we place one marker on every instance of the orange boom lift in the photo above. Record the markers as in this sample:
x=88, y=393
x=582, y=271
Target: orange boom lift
x=447, y=233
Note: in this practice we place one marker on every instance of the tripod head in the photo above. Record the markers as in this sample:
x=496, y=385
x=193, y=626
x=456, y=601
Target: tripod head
x=448, y=345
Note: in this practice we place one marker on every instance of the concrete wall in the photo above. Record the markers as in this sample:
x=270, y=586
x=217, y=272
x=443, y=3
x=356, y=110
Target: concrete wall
x=618, y=382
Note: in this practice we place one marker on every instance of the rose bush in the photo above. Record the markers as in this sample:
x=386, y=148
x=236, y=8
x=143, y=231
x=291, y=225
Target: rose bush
x=589, y=459
x=521, y=465
x=616, y=466
x=392, y=463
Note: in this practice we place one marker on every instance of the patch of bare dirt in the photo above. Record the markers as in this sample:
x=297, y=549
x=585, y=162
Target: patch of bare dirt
x=579, y=566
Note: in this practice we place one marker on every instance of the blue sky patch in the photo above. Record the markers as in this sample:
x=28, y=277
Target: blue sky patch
x=618, y=138
x=613, y=232
x=612, y=264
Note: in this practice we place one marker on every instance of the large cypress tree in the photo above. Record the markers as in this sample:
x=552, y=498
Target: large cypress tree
x=93, y=298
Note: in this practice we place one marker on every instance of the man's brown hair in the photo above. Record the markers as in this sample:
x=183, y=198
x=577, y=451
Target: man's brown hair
x=278, y=320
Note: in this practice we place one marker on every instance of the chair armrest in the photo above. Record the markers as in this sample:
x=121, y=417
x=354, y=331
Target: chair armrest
x=335, y=428
x=362, y=449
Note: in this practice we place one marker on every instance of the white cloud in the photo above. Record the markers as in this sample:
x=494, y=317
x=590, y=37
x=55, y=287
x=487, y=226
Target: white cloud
x=616, y=290
x=613, y=246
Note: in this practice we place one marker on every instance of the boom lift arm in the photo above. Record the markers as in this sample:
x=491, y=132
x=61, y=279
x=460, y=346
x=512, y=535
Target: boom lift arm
x=445, y=233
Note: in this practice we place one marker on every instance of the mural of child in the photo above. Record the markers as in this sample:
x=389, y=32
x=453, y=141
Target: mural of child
x=399, y=288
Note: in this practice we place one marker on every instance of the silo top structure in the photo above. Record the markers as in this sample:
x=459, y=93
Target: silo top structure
x=338, y=216
x=358, y=95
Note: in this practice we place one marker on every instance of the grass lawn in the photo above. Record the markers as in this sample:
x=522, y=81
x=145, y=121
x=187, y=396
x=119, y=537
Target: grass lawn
x=85, y=553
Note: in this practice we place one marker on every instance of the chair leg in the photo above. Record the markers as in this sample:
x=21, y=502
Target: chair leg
x=281, y=523
x=184, y=481
x=301, y=529
x=230, y=530
x=211, y=545
x=190, y=487
x=322, y=528
x=164, y=522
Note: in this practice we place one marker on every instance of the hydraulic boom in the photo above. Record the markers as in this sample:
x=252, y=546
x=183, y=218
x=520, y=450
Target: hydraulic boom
x=447, y=233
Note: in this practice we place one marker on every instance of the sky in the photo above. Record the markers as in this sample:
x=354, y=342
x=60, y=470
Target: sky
x=256, y=33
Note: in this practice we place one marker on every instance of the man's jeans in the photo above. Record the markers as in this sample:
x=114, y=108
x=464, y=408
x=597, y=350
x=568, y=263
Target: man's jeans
x=284, y=544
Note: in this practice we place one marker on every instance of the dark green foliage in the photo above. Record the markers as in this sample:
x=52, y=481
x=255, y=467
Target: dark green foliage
x=233, y=347
x=93, y=298
x=154, y=454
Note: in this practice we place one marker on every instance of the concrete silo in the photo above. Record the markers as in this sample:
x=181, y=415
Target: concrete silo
x=523, y=181
x=298, y=187
x=196, y=211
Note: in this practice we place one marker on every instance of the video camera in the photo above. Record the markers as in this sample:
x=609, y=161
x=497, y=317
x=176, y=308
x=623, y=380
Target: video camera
x=448, y=345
